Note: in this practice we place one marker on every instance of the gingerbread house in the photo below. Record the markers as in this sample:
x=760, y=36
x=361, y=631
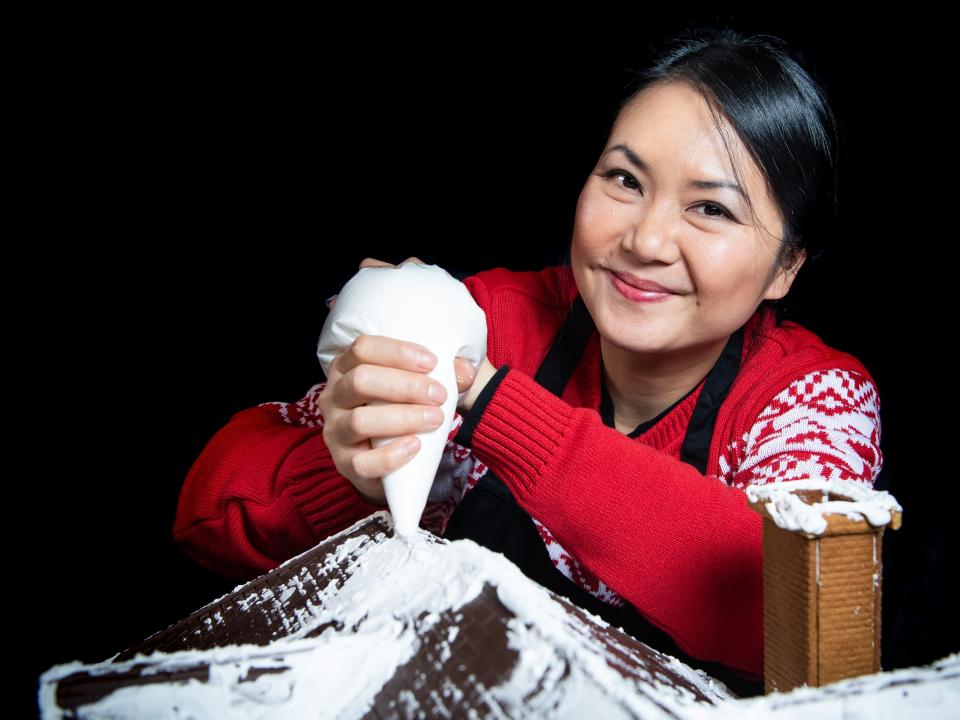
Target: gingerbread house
x=822, y=571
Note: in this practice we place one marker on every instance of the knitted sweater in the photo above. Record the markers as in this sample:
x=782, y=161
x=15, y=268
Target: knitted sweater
x=621, y=516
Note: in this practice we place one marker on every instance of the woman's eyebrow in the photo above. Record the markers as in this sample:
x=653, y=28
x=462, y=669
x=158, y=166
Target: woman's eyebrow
x=638, y=163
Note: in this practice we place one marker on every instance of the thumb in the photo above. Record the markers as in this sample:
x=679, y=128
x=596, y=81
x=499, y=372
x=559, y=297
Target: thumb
x=466, y=373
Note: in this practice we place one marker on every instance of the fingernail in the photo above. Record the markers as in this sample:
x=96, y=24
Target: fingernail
x=410, y=446
x=425, y=360
x=329, y=301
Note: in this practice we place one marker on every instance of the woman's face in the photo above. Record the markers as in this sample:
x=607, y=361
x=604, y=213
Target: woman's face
x=656, y=223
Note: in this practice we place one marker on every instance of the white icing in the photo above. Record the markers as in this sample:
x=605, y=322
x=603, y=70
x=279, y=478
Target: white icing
x=562, y=670
x=338, y=673
x=917, y=693
x=416, y=303
x=791, y=512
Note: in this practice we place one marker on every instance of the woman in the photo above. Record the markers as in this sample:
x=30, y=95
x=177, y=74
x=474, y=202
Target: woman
x=626, y=400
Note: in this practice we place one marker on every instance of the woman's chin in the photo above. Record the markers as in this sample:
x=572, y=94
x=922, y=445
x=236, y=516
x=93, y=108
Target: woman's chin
x=652, y=337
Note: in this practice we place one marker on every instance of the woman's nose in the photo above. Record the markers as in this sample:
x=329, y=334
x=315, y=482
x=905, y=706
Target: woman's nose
x=651, y=236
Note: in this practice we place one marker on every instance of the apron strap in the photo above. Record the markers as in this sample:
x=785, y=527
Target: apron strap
x=696, y=442
x=561, y=361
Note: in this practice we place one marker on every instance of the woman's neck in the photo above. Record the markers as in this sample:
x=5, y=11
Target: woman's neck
x=643, y=386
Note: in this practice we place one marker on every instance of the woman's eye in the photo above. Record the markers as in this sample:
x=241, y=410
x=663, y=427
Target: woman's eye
x=720, y=211
x=627, y=178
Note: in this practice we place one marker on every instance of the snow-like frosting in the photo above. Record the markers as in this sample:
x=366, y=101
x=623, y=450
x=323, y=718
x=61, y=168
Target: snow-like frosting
x=416, y=303
x=917, y=693
x=563, y=669
x=792, y=512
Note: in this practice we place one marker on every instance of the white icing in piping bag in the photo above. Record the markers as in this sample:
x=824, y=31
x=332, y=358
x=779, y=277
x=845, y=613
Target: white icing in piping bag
x=416, y=303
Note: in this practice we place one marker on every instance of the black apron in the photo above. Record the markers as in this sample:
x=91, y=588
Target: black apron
x=490, y=515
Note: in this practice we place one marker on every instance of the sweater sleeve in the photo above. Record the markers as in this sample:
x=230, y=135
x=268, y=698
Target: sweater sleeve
x=684, y=549
x=263, y=490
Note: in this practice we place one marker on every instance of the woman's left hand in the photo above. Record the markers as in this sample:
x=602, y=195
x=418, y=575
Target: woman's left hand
x=467, y=378
x=484, y=373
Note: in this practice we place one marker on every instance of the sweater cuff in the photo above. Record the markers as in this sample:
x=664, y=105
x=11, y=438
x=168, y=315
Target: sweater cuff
x=520, y=426
x=326, y=499
x=465, y=433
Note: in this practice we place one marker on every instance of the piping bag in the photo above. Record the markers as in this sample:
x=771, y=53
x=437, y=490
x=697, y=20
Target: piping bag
x=426, y=305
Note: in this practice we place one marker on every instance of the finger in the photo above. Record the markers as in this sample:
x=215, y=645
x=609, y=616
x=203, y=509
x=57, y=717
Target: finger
x=465, y=373
x=377, y=462
x=375, y=382
x=373, y=262
x=379, y=421
x=414, y=260
x=387, y=351
x=331, y=301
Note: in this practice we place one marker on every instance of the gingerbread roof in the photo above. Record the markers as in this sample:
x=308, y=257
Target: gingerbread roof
x=366, y=624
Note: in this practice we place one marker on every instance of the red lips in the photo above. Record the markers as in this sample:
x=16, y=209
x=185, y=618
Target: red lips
x=641, y=284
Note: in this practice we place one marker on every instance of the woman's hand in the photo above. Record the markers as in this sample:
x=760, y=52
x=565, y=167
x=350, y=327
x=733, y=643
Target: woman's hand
x=381, y=368
x=483, y=375
x=463, y=368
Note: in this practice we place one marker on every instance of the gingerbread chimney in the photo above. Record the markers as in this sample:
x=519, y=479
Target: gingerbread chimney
x=822, y=567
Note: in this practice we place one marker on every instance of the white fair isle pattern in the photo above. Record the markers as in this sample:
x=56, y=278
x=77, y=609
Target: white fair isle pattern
x=824, y=425
x=303, y=412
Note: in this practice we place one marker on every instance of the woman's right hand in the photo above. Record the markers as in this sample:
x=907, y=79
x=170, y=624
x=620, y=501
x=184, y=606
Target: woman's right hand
x=375, y=367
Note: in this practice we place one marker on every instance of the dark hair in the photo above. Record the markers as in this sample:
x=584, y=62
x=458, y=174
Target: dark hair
x=781, y=116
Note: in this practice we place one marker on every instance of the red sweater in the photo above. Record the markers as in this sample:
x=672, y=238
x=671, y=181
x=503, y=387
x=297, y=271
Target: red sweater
x=627, y=519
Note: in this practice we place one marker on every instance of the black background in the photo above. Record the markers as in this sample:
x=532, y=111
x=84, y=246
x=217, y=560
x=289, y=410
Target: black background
x=193, y=191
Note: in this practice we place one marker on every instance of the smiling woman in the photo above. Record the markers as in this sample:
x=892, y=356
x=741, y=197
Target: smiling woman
x=626, y=400
x=671, y=262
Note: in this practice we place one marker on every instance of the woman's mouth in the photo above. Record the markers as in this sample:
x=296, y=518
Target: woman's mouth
x=635, y=295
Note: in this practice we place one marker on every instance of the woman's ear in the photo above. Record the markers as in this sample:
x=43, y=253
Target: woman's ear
x=780, y=285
